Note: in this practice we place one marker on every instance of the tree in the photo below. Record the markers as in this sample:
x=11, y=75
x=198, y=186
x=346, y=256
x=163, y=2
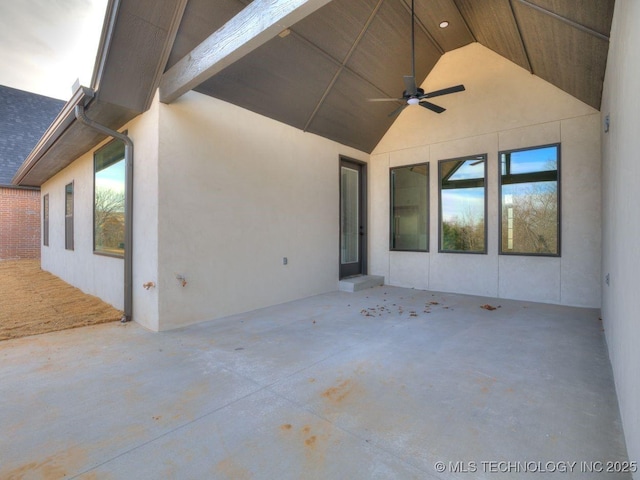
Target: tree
x=465, y=233
x=534, y=213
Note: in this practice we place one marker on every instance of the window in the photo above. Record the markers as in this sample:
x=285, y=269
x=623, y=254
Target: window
x=529, y=201
x=68, y=216
x=410, y=208
x=108, y=201
x=45, y=220
x=463, y=204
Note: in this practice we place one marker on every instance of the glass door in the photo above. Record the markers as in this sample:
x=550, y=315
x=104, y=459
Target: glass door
x=352, y=219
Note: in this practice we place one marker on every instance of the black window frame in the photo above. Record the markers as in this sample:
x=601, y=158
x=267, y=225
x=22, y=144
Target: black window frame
x=392, y=248
x=108, y=145
x=484, y=158
x=68, y=215
x=45, y=220
x=543, y=176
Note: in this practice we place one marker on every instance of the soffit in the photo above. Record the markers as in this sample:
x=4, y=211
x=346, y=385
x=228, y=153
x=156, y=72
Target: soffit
x=75, y=140
x=137, y=38
x=494, y=26
x=569, y=58
x=319, y=76
x=596, y=15
x=139, y=43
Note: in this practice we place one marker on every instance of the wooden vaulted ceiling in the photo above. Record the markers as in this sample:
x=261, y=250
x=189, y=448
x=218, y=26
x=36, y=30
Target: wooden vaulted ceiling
x=318, y=75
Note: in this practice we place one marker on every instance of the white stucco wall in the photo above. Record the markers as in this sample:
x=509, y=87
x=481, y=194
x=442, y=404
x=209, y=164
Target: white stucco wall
x=621, y=225
x=504, y=107
x=144, y=132
x=238, y=192
x=101, y=275
x=97, y=275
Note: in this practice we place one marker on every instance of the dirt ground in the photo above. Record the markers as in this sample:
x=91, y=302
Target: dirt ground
x=33, y=301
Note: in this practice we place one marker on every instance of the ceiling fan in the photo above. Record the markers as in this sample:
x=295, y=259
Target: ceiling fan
x=413, y=95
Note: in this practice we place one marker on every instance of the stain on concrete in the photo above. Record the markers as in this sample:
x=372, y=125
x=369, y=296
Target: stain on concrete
x=485, y=382
x=228, y=468
x=316, y=441
x=52, y=467
x=340, y=392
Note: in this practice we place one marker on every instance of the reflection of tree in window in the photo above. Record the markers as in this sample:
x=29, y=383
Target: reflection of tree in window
x=109, y=219
x=462, y=205
x=109, y=199
x=529, y=195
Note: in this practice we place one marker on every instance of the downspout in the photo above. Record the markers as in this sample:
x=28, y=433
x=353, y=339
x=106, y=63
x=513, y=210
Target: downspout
x=128, y=206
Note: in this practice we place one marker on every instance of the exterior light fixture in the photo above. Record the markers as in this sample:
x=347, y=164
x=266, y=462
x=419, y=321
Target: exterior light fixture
x=444, y=24
x=413, y=101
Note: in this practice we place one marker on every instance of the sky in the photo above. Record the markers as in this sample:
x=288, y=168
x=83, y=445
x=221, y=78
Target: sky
x=45, y=45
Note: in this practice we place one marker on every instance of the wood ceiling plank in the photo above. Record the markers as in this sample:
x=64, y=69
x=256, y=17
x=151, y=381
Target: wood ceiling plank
x=283, y=79
x=141, y=39
x=431, y=12
x=493, y=24
x=593, y=14
x=348, y=118
x=335, y=27
x=564, y=56
x=258, y=23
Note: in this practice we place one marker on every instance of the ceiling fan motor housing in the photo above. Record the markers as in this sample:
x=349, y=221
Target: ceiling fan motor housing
x=418, y=94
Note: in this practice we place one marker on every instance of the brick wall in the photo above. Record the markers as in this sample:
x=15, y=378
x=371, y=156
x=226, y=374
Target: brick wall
x=19, y=223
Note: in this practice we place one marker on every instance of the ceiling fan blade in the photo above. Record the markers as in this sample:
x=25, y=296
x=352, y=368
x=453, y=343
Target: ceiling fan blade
x=397, y=110
x=410, y=86
x=431, y=106
x=444, y=91
x=386, y=100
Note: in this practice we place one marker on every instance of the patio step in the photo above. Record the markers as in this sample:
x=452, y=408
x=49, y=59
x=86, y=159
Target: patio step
x=355, y=284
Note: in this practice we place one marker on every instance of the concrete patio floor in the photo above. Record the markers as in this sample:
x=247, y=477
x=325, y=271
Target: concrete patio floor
x=383, y=383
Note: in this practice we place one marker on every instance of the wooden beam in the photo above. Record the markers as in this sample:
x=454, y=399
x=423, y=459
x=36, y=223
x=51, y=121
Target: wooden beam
x=566, y=20
x=258, y=23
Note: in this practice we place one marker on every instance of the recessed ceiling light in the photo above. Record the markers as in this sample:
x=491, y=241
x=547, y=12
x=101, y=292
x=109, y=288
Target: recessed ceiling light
x=444, y=24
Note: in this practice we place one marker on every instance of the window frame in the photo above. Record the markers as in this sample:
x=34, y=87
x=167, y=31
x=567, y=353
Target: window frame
x=559, y=201
x=484, y=158
x=428, y=208
x=45, y=220
x=68, y=216
x=95, y=154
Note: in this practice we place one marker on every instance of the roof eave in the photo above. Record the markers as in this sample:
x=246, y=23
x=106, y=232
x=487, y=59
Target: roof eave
x=82, y=96
x=137, y=37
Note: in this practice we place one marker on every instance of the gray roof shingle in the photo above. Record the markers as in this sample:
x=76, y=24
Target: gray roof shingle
x=24, y=117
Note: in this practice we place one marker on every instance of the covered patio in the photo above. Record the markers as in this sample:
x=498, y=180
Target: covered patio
x=382, y=383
